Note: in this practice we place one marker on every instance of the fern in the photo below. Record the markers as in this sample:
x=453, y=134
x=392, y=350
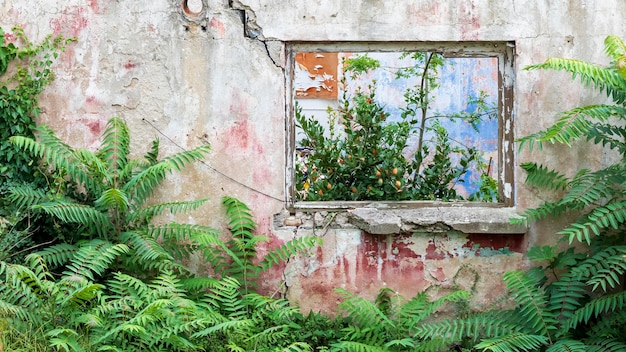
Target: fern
x=604, y=268
x=603, y=344
x=284, y=252
x=610, y=216
x=118, y=282
x=147, y=213
x=601, y=78
x=115, y=148
x=574, y=125
x=532, y=302
x=352, y=346
x=474, y=327
x=297, y=347
x=541, y=176
x=420, y=307
x=513, y=342
x=615, y=302
x=614, y=47
x=363, y=312
x=567, y=346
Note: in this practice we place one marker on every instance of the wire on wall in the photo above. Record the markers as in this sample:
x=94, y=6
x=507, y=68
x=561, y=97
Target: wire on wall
x=211, y=167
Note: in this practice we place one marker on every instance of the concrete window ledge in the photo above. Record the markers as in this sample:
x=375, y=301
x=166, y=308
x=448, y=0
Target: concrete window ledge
x=474, y=220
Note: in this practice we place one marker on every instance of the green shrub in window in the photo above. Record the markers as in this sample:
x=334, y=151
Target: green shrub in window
x=366, y=157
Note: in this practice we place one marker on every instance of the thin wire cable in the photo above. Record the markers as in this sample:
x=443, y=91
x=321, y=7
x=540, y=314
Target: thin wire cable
x=211, y=167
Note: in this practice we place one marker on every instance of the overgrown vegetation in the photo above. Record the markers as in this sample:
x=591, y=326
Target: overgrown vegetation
x=576, y=300
x=25, y=68
x=366, y=157
x=118, y=281
x=115, y=280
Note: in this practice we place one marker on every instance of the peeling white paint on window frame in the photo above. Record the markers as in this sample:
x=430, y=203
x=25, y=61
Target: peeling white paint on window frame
x=503, y=50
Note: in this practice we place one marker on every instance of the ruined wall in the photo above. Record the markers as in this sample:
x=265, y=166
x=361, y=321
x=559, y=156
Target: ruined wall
x=214, y=73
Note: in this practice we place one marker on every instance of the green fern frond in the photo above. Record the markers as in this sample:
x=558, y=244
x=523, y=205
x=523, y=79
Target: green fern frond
x=167, y=285
x=386, y=300
x=274, y=309
x=609, y=325
x=420, y=307
x=226, y=297
x=352, y=346
x=149, y=212
x=145, y=247
x=97, y=169
x=513, y=343
x=94, y=257
x=567, y=346
x=270, y=336
x=124, y=286
x=566, y=296
x=435, y=344
x=573, y=125
x=240, y=220
x=58, y=254
x=64, y=339
x=199, y=283
x=173, y=231
x=25, y=196
x=142, y=185
x=363, y=312
x=611, y=215
x=602, y=305
x=115, y=146
x=604, y=344
x=608, y=135
x=9, y=310
x=22, y=286
x=614, y=47
x=542, y=177
x=601, y=78
x=297, y=347
x=226, y=326
x=39, y=266
x=81, y=214
x=287, y=250
x=397, y=344
x=113, y=198
x=81, y=294
x=55, y=153
x=532, y=301
x=604, y=268
x=547, y=209
x=152, y=156
x=180, y=160
x=587, y=188
x=482, y=324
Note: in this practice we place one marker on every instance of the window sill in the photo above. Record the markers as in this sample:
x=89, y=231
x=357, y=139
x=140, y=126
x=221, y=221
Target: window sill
x=435, y=217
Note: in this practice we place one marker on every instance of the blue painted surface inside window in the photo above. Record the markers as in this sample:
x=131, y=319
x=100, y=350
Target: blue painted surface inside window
x=460, y=81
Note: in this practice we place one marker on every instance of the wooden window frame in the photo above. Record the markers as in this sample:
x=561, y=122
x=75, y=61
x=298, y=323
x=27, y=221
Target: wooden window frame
x=503, y=50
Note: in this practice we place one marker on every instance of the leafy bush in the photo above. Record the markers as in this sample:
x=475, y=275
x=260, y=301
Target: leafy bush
x=118, y=282
x=576, y=300
x=365, y=158
x=389, y=323
x=25, y=71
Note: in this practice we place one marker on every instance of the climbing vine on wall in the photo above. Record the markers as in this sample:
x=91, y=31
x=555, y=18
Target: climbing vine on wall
x=25, y=70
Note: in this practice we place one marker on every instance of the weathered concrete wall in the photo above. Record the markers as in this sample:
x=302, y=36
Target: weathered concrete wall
x=218, y=78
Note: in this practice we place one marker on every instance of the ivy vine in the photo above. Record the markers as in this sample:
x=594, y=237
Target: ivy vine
x=25, y=70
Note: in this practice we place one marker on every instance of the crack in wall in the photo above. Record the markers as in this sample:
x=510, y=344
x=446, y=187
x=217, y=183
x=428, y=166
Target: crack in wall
x=252, y=30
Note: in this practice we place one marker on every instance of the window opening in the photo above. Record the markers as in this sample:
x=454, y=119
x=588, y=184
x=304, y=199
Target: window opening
x=425, y=123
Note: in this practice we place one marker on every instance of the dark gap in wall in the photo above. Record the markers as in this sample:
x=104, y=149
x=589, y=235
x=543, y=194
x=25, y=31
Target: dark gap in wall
x=512, y=243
